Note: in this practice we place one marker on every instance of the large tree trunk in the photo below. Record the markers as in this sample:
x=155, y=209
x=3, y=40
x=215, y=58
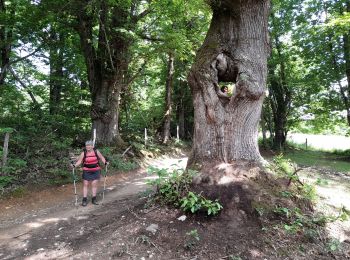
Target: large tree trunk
x=235, y=50
x=168, y=94
x=107, y=64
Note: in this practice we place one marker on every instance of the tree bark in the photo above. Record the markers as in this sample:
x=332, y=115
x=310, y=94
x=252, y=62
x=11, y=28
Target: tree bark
x=56, y=73
x=280, y=101
x=5, y=149
x=168, y=101
x=346, y=39
x=107, y=64
x=235, y=50
x=5, y=44
x=181, y=114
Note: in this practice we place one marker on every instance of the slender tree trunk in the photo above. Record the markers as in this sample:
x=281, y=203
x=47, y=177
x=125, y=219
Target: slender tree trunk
x=346, y=48
x=279, y=102
x=235, y=50
x=280, y=95
x=168, y=94
x=5, y=149
x=5, y=45
x=56, y=73
x=181, y=113
x=263, y=130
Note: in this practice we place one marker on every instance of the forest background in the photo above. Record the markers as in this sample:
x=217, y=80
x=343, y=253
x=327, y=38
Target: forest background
x=120, y=67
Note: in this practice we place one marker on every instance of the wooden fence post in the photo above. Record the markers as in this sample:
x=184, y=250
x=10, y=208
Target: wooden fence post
x=306, y=144
x=177, y=132
x=146, y=136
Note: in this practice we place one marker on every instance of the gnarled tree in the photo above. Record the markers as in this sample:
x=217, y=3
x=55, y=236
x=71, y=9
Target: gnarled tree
x=235, y=50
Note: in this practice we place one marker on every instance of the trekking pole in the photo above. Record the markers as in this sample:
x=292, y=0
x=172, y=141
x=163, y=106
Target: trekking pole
x=104, y=184
x=75, y=186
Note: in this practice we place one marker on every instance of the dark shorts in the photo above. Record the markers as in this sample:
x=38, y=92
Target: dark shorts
x=91, y=175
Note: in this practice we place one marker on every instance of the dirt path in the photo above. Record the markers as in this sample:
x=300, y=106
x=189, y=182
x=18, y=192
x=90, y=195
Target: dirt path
x=46, y=224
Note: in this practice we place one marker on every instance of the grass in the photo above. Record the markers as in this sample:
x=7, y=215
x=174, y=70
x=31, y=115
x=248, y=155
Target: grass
x=316, y=158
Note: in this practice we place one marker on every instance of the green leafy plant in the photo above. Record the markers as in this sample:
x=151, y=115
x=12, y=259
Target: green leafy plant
x=333, y=245
x=286, y=194
x=173, y=187
x=283, y=211
x=308, y=191
x=194, y=202
x=192, y=239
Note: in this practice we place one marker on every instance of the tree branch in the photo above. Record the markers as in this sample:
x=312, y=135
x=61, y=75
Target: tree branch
x=24, y=57
x=24, y=86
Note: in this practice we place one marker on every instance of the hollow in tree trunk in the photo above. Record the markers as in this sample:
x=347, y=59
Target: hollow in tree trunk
x=235, y=50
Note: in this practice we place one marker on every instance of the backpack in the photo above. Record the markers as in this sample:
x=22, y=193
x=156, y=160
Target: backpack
x=91, y=165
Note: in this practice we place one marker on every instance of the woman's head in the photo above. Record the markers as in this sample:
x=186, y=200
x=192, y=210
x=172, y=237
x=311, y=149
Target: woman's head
x=89, y=144
x=224, y=89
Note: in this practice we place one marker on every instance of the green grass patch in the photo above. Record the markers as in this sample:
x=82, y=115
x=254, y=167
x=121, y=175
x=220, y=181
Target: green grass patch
x=315, y=158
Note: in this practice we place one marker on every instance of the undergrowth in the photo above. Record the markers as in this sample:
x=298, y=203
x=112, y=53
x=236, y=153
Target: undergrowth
x=297, y=217
x=173, y=187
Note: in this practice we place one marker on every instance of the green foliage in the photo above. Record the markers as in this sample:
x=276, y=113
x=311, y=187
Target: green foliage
x=192, y=239
x=284, y=167
x=194, y=202
x=308, y=191
x=194, y=234
x=174, y=187
x=5, y=181
x=118, y=163
x=333, y=245
x=6, y=130
x=14, y=166
x=286, y=194
x=171, y=186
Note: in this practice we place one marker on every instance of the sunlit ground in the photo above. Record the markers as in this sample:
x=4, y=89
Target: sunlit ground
x=334, y=193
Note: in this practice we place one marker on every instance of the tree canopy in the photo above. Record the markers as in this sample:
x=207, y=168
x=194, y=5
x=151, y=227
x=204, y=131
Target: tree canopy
x=68, y=67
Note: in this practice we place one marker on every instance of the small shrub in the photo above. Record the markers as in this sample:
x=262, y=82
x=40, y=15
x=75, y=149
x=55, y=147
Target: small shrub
x=194, y=202
x=192, y=239
x=174, y=187
x=309, y=192
x=333, y=245
x=118, y=163
x=5, y=181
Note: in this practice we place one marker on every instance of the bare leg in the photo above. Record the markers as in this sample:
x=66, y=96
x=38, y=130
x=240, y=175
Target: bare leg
x=94, y=185
x=85, y=188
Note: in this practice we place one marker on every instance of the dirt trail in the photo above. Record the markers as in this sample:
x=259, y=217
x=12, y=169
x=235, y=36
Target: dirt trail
x=45, y=224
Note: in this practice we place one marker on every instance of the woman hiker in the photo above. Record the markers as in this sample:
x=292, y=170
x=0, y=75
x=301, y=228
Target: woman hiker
x=91, y=170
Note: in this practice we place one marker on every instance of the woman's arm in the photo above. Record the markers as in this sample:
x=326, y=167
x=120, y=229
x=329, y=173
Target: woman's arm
x=103, y=159
x=79, y=160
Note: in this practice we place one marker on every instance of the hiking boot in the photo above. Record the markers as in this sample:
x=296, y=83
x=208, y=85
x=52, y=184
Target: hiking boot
x=94, y=201
x=85, y=202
